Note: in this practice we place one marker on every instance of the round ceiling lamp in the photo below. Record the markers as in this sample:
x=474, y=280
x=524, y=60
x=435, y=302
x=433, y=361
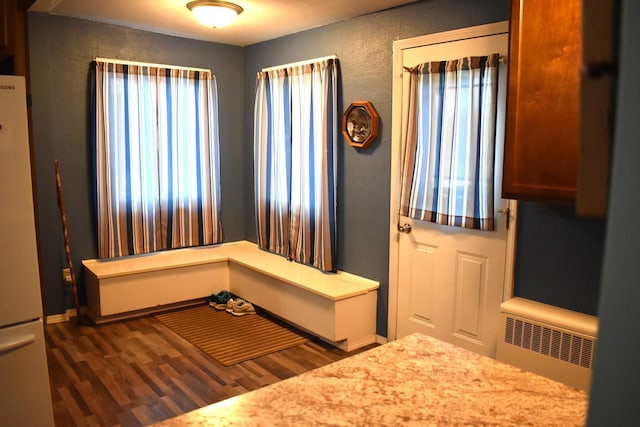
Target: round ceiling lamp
x=215, y=14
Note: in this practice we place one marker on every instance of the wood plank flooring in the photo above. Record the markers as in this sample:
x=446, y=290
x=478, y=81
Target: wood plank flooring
x=138, y=372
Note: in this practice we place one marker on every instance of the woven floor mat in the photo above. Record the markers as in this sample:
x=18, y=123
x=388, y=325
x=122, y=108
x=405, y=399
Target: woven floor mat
x=231, y=339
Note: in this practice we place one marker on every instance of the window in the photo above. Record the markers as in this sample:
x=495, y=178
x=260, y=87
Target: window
x=295, y=139
x=157, y=164
x=448, y=168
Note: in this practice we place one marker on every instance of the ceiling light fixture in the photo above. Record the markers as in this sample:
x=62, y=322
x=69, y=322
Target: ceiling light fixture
x=215, y=14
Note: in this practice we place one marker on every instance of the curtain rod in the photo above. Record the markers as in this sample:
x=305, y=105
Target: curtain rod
x=149, y=64
x=501, y=60
x=295, y=64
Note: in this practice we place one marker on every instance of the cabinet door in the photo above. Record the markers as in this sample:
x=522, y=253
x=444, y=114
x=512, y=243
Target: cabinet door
x=599, y=47
x=541, y=148
x=7, y=35
x=5, y=41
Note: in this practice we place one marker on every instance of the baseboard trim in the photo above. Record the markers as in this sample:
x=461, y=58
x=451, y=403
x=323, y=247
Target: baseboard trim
x=62, y=317
x=381, y=340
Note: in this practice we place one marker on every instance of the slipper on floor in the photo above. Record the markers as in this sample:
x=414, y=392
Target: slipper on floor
x=219, y=300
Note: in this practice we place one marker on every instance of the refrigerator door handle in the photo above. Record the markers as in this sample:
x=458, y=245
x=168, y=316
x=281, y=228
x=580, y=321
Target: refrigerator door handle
x=13, y=344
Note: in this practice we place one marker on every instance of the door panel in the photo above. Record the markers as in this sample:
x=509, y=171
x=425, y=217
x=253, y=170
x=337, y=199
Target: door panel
x=470, y=287
x=422, y=281
x=450, y=280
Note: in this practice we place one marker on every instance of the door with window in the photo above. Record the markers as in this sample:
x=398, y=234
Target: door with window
x=448, y=281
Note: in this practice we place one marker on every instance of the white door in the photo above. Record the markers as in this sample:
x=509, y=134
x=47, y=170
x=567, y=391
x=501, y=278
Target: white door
x=449, y=281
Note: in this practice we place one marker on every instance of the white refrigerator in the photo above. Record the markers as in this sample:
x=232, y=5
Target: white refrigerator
x=25, y=397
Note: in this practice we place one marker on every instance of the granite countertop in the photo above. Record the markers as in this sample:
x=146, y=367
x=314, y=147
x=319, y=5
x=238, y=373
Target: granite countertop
x=417, y=380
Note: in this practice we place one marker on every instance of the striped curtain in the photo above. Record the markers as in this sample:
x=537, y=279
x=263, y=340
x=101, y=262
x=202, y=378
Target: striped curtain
x=295, y=140
x=448, y=165
x=157, y=164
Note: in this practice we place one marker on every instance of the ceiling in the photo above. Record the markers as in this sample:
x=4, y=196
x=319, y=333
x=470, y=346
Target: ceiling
x=261, y=20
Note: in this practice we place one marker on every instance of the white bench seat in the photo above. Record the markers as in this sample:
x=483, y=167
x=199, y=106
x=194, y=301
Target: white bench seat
x=338, y=307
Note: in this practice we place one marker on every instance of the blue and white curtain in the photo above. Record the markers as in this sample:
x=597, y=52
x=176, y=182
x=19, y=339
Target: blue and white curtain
x=448, y=166
x=157, y=162
x=295, y=156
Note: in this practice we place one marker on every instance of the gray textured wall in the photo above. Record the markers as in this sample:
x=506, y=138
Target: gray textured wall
x=558, y=257
x=364, y=47
x=61, y=51
x=614, y=389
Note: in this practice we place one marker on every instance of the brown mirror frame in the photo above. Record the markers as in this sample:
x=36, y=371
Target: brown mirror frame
x=360, y=124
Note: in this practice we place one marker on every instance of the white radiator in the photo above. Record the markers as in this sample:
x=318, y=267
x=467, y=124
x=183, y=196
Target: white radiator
x=550, y=341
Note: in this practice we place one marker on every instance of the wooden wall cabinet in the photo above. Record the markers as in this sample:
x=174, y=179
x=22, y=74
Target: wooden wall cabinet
x=541, y=147
x=562, y=65
x=6, y=31
x=13, y=37
x=600, y=23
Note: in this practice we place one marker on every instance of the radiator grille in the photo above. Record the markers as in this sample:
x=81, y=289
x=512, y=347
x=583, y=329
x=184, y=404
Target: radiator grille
x=550, y=342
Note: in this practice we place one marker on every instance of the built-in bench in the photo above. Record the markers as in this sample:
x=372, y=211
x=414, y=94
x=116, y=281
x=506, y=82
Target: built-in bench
x=337, y=307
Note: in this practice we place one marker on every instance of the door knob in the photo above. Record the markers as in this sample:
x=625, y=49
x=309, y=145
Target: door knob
x=406, y=228
x=507, y=215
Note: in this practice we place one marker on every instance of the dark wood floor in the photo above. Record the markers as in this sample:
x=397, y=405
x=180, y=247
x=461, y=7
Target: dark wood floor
x=137, y=372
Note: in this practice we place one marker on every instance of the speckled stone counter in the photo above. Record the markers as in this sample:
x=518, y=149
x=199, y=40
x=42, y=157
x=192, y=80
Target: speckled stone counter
x=417, y=381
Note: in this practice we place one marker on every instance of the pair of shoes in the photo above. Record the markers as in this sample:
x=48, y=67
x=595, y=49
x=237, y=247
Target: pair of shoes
x=219, y=300
x=240, y=307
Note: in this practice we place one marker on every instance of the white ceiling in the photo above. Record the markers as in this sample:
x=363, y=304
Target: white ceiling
x=261, y=20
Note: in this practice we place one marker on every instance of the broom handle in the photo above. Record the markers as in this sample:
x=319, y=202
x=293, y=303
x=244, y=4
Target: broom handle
x=65, y=232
